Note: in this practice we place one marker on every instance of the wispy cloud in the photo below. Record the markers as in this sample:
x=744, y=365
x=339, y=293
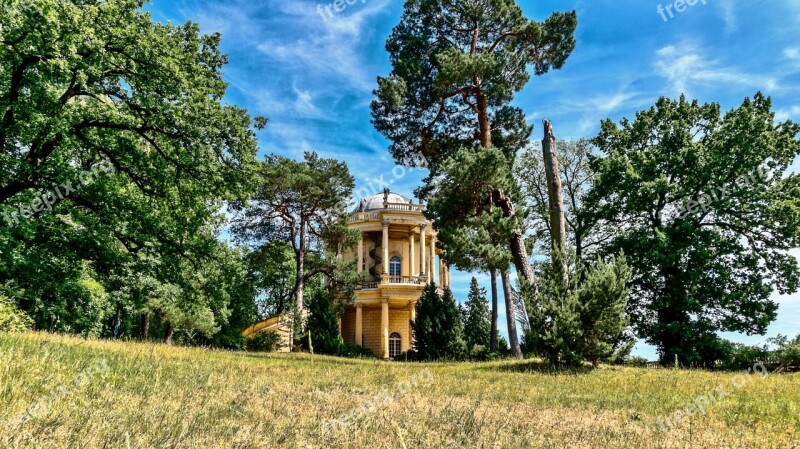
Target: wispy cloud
x=687, y=68
x=729, y=8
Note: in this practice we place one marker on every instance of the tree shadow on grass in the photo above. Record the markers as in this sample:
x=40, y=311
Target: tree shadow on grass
x=538, y=367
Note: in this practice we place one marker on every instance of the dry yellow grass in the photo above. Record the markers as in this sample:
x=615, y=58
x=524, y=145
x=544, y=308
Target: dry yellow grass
x=129, y=395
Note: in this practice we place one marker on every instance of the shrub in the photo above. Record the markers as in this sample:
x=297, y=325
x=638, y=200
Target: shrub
x=264, y=342
x=580, y=320
x=788, y=350
x=12, y=319
x=636, y=361
x=322, y=324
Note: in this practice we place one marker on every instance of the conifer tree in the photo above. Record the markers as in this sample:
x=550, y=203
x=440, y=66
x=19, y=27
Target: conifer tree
x=477, y=324
x=438, y=330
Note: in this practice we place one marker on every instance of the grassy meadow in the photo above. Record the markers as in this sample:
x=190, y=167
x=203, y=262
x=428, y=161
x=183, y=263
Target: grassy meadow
x=68, y=392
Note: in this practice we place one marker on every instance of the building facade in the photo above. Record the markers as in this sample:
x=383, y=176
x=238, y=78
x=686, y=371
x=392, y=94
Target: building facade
x=397, y=254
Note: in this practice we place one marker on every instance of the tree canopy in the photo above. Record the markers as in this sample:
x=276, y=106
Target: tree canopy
x=706, y=214
x=117, y=154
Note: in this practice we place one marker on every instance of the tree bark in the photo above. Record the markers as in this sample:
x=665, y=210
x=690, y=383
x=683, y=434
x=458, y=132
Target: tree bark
x=169, y=333
x=517, y=243
x=145, y=326
x=484, y=122
x=520, y=254
x=513, y=339
x=493, y=338
x=558, y=229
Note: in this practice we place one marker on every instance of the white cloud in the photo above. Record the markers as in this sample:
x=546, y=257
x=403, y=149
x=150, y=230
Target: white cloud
x=792, y=53
x=304, y=102
x=685, y=67
x=728, y=8
x=332, y=47
x=791, y=113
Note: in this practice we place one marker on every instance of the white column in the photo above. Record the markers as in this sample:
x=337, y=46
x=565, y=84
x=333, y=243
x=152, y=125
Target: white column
x=385, y=247
x=434, y=274
x=422, y=255
x=360, y=252
x=385, y=327
x=447, y=273
x=412, y=264
x=359, y=325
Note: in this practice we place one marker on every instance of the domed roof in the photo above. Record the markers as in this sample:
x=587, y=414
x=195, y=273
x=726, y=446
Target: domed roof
x=375, y=202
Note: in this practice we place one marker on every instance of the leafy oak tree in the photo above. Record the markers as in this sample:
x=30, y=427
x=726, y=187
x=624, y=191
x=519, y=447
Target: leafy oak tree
x=117, y=154
x=456, y=66
x=706, y=214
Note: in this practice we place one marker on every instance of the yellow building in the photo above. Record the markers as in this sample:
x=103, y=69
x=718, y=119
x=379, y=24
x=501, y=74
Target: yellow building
x=397, y=251
x=397, y=254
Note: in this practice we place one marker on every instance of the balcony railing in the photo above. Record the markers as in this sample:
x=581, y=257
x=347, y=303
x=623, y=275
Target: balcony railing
x=369, y=285
x=392, y=280
x=407, y=280
x=358, y=216
x=408, y=207
x=402, y=207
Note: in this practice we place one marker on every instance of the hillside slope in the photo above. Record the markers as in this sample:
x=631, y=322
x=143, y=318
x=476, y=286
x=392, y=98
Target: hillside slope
x=67, y=392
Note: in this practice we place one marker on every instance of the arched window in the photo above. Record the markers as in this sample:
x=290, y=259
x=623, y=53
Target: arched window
x=394, y=266
x=395, y=344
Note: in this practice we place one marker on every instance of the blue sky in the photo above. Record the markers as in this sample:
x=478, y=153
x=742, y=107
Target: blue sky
x=313, y=76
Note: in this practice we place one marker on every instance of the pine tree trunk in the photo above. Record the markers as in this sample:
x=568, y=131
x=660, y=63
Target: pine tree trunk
x=145, y=326
x=513, y=339
x=558, y=232
x=517, y=243
x=493, y=338
x=169, y=333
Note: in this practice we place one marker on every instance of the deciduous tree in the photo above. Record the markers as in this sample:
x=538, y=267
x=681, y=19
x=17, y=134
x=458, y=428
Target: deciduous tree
x=706, y=213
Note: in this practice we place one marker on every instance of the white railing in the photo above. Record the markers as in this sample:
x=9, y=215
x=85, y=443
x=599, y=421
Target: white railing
x=407, y=207
x=405, y=280
x=358, y=216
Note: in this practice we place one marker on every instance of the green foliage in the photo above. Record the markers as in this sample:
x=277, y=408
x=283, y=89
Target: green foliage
x=11, y=318
x=502, y=346
x=476, y=317
x=438, y=332
x=787, y=351
x=118, y=154
x=579, y=321
x=301, y=204
x=264, y=342
x=706, y=213
x=636, y=362
x=474, y=238
x=455, y=64
x=322, y=324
